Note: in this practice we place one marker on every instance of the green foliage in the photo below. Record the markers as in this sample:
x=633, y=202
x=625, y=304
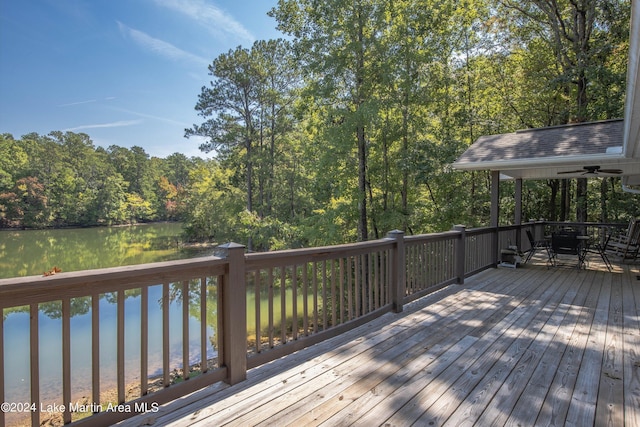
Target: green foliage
x=211, y=204
x=62, y=179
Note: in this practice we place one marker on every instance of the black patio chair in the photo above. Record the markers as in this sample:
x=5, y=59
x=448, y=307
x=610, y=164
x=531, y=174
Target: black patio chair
x=535, y=245
x=600, y=248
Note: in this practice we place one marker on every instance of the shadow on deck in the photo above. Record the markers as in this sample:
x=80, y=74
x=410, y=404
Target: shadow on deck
x=509, y=347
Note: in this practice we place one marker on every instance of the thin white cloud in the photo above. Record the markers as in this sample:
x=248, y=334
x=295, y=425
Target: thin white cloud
x=160, y=47
x=120, y=123
x=149, y=116
x=209, y=16
x=78, y=103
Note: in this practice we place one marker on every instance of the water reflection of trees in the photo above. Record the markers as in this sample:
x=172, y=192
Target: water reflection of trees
x=32, y=252
x=80, y=306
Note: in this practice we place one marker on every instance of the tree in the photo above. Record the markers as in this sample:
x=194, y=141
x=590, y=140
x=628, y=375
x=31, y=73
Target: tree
x=246, y=111
x=338, y=47
x=13, y=161
x=27, y=204
x=212, y=204
x=230, y=106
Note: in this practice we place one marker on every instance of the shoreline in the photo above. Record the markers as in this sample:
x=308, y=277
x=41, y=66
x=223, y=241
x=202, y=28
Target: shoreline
x=80, y=227
x=52, y=416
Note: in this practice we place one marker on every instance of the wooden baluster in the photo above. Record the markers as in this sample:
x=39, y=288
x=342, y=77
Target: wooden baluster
x=324, y=296
x=66, y=358
x=2, y=396
x=35, y=362
x=357, y=285
x=120, y=345
x=95, y=349
x=294, y=302
x=350, y=287
x=341, y=290
x=220, y=325
x=204, y=362
x=315, y=297
x=283, y=305
x=334, y=304
x=257, y=292
x=305, y=296
x=185, y=329
x=144, y=340
x=166, y=378
x=271, y=329
x=370, y=280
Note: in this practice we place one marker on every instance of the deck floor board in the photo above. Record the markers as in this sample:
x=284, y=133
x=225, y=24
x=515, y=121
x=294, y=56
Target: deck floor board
x=509, y=347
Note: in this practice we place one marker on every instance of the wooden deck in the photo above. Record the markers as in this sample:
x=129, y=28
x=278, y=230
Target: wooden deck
x=532, y=346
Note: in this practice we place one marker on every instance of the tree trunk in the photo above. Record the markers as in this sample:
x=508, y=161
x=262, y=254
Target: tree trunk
x=554, y=184
x=604, y=213
x=565, y=200
x=581, y=200
x=363, y=231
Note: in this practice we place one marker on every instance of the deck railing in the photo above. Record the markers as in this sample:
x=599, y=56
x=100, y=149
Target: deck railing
x=249, y=309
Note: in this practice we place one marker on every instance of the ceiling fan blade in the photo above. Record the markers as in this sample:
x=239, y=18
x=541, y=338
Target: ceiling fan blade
x=577, y=171
x=593, y=170
x=611, y=171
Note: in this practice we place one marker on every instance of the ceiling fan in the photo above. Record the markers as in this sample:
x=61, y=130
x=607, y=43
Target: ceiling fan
x=593, y=170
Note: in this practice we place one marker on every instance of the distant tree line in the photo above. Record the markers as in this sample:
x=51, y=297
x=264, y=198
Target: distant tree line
x=62, y=179
x=347, y=129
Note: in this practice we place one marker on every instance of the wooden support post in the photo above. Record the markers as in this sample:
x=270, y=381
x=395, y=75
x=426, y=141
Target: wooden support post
x=398, y=267
x=460, y=254
x=518, y=213
x=495, y=215
x=234, y=314
x=518, y=199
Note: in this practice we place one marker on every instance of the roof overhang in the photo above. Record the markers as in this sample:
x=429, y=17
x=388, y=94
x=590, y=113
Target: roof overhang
x=545, y=152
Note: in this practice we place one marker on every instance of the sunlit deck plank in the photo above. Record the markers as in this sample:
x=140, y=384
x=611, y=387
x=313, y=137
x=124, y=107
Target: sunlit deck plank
x=507, y=348
x=504, y=383
x=563, y=345
x=610, y=408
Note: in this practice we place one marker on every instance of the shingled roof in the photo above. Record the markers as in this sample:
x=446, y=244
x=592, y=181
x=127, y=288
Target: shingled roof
x=557, y=142
x=544, y=153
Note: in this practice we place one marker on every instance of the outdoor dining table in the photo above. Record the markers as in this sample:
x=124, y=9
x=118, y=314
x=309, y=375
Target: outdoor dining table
x=563, y=243
x=587, y=245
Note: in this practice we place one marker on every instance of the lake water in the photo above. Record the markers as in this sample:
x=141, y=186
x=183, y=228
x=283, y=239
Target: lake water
x=32, y=252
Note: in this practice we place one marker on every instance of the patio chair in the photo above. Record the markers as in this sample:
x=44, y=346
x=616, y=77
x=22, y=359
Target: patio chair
x=600, y=248
x=535, y=245
x=567, y=243
x=627, y=245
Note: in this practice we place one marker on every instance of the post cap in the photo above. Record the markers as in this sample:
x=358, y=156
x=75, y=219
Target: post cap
x=223, y=250
x=231, y=245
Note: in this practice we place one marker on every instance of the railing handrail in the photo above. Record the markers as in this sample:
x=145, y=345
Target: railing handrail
x=275, y=258
x=431, y=237
x=34, y=289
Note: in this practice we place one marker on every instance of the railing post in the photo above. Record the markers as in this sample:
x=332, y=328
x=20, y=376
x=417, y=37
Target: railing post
x=460, y=255
x=234, y=316
x=398, y=274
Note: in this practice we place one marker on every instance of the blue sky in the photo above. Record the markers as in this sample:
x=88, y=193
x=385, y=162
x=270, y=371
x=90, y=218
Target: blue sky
x=125, y=72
